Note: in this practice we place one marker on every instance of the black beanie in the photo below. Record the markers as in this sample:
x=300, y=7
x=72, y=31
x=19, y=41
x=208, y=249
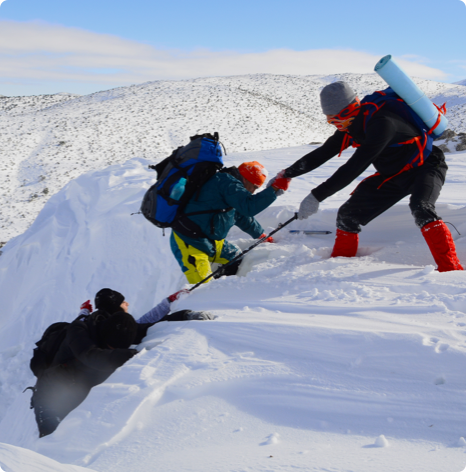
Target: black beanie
x=108, y=300
x=118, y=331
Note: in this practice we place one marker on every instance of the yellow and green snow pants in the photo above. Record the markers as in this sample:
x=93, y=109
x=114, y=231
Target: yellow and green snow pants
x=195, y=263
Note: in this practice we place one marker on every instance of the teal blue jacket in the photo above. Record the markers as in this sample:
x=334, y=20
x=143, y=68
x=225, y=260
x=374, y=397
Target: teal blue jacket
x=224, y=191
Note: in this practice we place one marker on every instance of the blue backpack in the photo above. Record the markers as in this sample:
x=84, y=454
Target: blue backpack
x=179, y=177
x=391, y=101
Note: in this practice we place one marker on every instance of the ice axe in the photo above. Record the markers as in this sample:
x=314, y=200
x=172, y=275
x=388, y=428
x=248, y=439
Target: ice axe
x=250, y=248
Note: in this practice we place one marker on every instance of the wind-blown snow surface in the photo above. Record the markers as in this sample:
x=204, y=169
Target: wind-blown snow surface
x=312, y=364
x=14, y=459
x=46, y=141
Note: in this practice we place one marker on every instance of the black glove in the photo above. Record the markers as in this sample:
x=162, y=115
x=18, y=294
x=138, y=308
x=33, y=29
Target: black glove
x=230, y=269
x=198, y=315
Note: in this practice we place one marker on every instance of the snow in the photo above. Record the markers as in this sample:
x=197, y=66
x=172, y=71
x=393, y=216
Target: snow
x=381, y=441
x=311, y=364
x=14, y=459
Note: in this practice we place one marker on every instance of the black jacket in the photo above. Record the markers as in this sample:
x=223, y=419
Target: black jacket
x=83, y=353
x=81, y=362
x=383, y=129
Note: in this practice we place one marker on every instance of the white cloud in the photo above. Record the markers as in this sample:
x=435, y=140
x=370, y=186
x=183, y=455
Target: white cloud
x=36, y=51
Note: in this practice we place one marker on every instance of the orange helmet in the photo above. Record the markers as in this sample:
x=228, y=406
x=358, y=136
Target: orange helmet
x=253, y=172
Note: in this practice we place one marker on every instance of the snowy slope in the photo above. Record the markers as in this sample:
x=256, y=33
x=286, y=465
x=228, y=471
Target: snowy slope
x=14, y=459
x=312, y=364
x=48, y=140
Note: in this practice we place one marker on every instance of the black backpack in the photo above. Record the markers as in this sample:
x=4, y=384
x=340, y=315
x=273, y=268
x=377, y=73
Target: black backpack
x=179, y=177
x=47, y=347
x=54, y=335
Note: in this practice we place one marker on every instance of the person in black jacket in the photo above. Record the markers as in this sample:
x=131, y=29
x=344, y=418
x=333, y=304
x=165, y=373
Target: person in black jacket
x=91, y=351
x=95, y=346
x=388, y=142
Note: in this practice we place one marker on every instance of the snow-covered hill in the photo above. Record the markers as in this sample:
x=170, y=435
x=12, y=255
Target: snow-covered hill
x=46, y=141
x=313, y=364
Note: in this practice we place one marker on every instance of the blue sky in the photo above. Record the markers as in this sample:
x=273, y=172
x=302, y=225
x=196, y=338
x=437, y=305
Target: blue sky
x=54, y=45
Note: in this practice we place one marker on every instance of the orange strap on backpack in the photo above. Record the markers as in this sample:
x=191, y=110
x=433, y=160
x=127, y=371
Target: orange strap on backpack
x=442, y=111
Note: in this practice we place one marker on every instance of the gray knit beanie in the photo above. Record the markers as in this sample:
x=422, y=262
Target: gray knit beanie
x=334, y=97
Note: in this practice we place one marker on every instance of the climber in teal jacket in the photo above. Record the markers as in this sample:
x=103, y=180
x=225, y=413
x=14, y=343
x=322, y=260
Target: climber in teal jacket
x=224, y=201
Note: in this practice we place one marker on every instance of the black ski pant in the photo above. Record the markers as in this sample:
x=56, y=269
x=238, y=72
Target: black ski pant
x=57, y=392
x=368, y=201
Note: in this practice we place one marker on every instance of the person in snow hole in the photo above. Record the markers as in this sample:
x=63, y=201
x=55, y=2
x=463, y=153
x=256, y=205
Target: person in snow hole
x=95, y=345
x=225, y=200
x=396, y=148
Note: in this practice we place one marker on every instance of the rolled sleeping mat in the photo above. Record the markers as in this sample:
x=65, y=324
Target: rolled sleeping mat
x=402, y=85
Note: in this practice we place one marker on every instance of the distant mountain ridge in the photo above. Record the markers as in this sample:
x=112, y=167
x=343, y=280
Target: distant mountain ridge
x=46, y=141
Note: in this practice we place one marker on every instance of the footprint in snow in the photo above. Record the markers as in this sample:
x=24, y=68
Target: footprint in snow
x=430, y=341
x=441, y=348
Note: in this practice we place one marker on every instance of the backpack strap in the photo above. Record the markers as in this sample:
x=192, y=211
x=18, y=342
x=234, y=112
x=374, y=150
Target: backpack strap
x=441, y=111
x=419, y=157
x=33, y=390
x=222, y=210
x=188, y=228
x=347, y=142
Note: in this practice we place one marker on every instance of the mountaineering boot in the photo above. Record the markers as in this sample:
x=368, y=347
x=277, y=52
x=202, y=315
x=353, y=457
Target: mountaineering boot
x=441, y=245
x=346, y=244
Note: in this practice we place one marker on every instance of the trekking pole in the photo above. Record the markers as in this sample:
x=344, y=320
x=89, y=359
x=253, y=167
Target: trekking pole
x=250, y=248
x=308, y=232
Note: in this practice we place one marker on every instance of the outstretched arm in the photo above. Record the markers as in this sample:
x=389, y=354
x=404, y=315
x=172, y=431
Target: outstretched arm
x=161, y=310
x=157, y=313
x=379, y=134
x=316, y=158
x=249, y=225
x=237, y=197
